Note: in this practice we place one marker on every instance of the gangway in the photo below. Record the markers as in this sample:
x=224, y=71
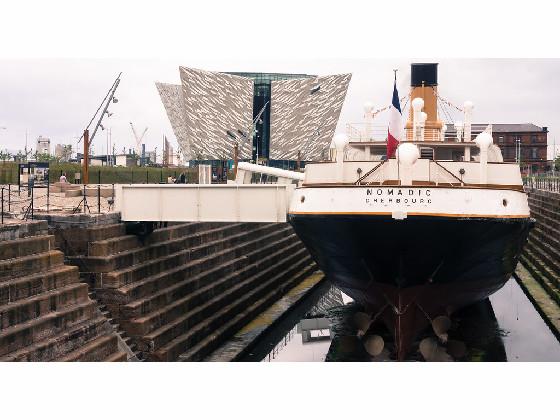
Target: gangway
x=238, y=201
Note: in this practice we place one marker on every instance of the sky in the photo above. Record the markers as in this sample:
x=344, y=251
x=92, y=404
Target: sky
x=56, y=98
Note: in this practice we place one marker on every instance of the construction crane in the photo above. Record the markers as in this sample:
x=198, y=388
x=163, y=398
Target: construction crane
x=138, y=138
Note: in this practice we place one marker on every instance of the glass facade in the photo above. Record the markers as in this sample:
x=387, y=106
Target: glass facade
x=261, y=97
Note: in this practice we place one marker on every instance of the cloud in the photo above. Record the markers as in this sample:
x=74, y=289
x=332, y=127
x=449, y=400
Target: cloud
x=57, y=97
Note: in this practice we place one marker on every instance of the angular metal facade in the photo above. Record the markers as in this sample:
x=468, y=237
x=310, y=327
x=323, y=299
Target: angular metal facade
x=304, y=115
x=213, y=104
x=172, y=99
x=209, y=104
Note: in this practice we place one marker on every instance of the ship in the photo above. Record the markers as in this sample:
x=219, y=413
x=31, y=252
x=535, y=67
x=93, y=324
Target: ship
x=415, y=237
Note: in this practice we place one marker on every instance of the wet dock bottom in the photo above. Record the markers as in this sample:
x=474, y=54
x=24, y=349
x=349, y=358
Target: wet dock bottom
x=505, y=327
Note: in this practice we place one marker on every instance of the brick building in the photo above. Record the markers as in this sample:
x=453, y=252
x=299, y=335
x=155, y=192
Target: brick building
x=530, y=139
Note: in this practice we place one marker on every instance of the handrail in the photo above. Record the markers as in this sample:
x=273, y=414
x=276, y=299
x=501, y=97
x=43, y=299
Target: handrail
x=449, y=172
x=368, y=173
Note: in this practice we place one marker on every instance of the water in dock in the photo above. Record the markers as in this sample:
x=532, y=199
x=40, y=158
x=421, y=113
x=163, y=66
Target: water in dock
x=505, y=327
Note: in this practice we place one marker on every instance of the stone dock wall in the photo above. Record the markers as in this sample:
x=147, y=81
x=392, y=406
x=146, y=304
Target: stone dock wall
x=539, y=273
x=46, y=312
x=181, y=291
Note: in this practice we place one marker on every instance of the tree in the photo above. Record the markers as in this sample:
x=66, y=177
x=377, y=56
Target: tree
x=44, y=157
x=5, y=155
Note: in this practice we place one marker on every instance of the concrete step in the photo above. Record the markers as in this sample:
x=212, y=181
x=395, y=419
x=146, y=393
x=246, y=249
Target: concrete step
x=544, y=203
x=138, y=272
x=75, y=240
x=549, y=243
x=125, y=259
x=545, y=195
x=545, y=221
x=25, y=287
x=30, y=264
x=127, y=242
x=546, y=254
x=547, y=234
x=160, y=297
x=236, y=298
x=60, y=344
x=54, y=300
x=96, y=350
x=21, y=335
x=119, y=356
x=210, y=333
x=543, y=215
x=12, y=231
x=26, y=246
x=542, y=276
x=189, y=269
x=544, y=270
x=214, y=339
x=253, y=273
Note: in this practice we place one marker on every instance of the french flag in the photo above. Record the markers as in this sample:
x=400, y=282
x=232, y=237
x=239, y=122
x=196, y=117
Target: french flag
x=395, y=124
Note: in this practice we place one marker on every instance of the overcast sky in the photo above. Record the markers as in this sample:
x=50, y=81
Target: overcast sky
x=57, y=97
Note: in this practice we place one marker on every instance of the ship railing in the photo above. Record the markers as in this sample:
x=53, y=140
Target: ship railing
x=364, y=132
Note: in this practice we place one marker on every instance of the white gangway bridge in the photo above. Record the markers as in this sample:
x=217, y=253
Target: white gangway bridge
x=237, y=201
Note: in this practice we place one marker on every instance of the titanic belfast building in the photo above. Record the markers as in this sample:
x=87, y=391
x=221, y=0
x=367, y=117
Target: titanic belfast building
x=271, y=116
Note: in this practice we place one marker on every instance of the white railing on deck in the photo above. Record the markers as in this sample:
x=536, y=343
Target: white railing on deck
x=361, y=132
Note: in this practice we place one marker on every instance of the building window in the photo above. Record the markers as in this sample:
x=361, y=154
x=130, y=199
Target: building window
x=534, y=153
x=501, y=139
x=534, y=138
x=517, y=139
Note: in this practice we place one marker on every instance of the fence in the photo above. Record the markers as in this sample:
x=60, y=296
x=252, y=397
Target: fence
x=542, y=183
x=19, y=204
x=103, y=175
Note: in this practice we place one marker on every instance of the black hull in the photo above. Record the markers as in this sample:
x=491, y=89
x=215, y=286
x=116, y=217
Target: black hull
x=407, y=272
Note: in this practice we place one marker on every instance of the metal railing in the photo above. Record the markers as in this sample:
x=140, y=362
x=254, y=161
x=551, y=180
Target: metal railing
x=362, y=132
x=542, y=183
x=19, y=204
x=436, y=174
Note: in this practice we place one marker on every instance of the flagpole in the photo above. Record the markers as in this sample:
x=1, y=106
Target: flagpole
x=398, y=160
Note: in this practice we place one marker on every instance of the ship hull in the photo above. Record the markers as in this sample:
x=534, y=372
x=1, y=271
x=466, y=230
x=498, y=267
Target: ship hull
x=407, y=272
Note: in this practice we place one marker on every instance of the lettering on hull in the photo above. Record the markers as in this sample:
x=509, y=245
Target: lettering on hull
x=398, y=196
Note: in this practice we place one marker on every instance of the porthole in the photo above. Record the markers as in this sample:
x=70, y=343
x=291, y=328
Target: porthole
x=504, y=202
